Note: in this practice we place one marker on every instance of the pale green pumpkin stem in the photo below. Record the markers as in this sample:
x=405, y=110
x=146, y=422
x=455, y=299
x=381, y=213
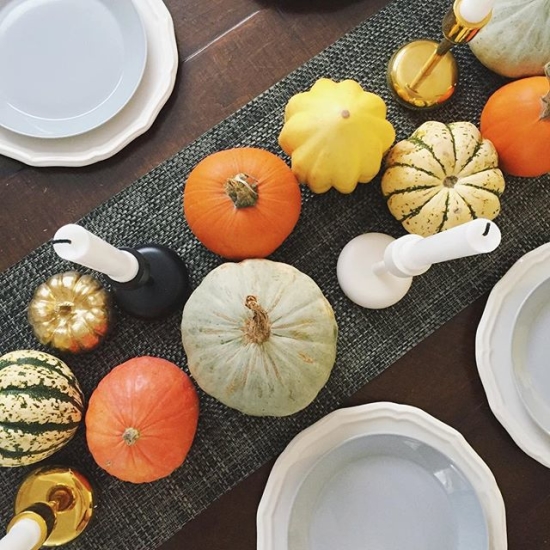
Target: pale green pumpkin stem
x=241, y=189
x=257, y=328
x=546, y=99
x=130, y=436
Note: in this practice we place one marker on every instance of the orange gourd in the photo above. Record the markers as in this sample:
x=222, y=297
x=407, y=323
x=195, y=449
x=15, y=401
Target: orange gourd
x=141, y=419
x=242, y=203
x=516, y=119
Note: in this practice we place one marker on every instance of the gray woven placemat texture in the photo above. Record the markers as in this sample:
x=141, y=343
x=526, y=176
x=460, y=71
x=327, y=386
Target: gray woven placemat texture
x=229, y=446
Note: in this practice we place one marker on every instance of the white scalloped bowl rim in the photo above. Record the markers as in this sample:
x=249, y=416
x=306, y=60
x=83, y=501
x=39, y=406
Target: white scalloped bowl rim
x=305, y=450
x=133, y=120
x=493, y=351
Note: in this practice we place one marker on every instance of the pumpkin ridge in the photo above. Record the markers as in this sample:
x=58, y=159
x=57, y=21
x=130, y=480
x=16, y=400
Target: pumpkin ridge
x=41, y=393
x=418, y=168
x=417, y=210
x=473, y=213
x=445, y=213
x=471, y=158
x=38, y=427
x=417, y=141
x=411, y=189
x=91, y=326
x=271, y=363
x=6, y=453
x=453, y=142
x=35, y=362
x=140, y=455
x=494, y=192
x=144, y=423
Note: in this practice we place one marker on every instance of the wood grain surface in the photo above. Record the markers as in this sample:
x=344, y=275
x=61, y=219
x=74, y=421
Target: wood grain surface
x=230, y=51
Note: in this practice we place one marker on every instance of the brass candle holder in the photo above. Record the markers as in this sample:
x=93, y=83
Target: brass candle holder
x=59, y=499
x=423, y=74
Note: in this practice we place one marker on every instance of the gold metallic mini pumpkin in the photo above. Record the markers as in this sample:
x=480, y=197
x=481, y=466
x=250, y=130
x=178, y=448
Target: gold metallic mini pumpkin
x=70, y=312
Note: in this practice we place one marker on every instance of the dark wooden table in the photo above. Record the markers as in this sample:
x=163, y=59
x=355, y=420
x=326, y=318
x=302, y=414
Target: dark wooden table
x=230, y=51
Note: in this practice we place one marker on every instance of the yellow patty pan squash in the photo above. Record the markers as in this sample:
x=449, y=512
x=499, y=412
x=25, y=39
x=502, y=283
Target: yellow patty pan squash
x=442, y=176
x=336, y=135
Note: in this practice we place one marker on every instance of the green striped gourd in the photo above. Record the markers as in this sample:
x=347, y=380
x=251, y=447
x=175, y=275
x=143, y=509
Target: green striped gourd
x=442, y=176
x=41, y=406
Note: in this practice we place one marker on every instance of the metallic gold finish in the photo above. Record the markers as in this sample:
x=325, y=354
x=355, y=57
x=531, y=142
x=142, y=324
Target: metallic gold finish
x=69, y=495
x=30, y=514
x=456, y=29
x=424, y=74
x=71, y=312
x=410, y=61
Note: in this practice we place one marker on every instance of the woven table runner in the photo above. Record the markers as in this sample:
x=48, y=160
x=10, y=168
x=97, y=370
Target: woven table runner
x=229, y=445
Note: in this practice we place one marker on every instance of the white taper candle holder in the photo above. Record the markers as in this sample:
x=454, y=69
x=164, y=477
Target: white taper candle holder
x=376, y=271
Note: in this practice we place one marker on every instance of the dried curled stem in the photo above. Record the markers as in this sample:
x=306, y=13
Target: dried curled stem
x=257, y=328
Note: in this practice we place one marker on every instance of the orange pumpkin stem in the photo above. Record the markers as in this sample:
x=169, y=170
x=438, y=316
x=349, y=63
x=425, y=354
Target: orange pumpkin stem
x=257, y=329
x=130, y=436
x=546, y=99
x=241, y=189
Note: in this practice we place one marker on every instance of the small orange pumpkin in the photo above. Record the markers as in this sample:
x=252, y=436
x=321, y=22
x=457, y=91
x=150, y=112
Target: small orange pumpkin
x=516, y=119
x=141, y=419
x=242, y=203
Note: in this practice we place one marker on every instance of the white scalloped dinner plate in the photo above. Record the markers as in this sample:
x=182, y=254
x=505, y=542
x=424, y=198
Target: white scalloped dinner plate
x=67, y=67
x=135, y=118
x=380, y=476
x=502, y=376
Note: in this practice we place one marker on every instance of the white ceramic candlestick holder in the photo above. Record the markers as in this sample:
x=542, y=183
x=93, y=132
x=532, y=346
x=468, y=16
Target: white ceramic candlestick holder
x=376, y=271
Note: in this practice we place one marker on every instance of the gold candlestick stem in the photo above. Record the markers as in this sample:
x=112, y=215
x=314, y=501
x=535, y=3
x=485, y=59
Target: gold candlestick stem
x=59, y=499
x=442, y=48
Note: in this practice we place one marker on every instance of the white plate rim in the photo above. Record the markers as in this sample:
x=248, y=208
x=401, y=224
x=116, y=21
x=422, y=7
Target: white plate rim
x=381, y=418
x=133, y=120
x=116, y=100
x=494, y=362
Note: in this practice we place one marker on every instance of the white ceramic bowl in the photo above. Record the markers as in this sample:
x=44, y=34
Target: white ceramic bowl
x=380, y=476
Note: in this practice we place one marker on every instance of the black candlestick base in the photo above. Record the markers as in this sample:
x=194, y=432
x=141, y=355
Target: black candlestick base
x=160, y=287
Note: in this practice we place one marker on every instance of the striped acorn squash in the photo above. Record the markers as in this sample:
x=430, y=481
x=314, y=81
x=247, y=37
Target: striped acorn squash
x=442, y=176
x=41, y=406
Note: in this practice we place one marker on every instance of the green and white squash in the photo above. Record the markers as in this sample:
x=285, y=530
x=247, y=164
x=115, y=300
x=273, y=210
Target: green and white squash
x=442, y=176
x=260, y=337
x=41, y=406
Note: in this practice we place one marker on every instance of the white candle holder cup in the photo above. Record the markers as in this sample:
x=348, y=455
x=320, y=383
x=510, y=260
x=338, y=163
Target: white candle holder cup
x=376, y=271
x=53, y=506
x=149, y=281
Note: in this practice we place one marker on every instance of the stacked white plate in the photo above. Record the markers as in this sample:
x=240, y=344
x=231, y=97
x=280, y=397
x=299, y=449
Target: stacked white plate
x=513, y=352
x=81, y=80
x=380, y=476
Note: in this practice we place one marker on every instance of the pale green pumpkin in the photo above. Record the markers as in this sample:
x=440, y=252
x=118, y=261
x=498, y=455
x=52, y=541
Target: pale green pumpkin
x=260, y=337
x=516, y=41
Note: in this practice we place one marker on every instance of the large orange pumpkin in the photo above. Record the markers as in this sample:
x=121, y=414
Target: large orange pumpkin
x=242, y=203
x=141, y=419
x=516, y=118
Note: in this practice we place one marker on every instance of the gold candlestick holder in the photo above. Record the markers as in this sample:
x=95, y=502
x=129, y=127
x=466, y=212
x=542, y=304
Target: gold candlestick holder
x=59, y=499
x=423, y=74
